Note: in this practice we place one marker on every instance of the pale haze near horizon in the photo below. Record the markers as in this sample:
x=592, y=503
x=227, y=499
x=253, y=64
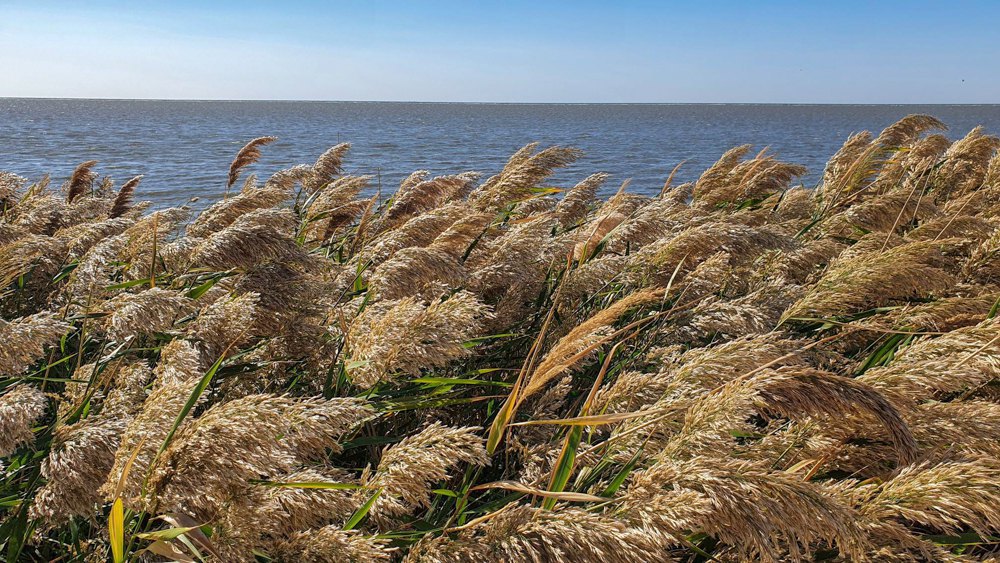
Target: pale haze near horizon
x=710, y=52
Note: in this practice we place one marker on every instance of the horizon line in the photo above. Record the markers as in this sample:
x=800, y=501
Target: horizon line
x=459, y=102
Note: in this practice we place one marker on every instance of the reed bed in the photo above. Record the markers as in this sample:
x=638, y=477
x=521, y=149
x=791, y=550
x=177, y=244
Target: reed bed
x=497, y=369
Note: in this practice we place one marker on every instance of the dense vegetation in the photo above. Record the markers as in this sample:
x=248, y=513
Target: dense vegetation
x=467, y=370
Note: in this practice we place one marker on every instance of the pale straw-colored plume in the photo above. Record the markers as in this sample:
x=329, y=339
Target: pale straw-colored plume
x=513, y=261
x=420, y=230
x=144, y=313
x=263, y=514
x=907, y=129
x=962, y=359
x=337, y=193
x=943, y=226
x=983, y=265
x=248, y=155
x=955, y=430
x=214, y=456
x=793, y=393
x=854, y=169
x=226, y=212
x=524, y=172
x=523, y=534
x=577, y=345
x=250, y=183
x=456, y=239
x=80, y=238
x=11, y=233
x=652, y=221
x=331, y=543
x=746, y=183
x=910, y=271
x=655, y=263
x=21, y=407
x=224, y=324
x=97, y=266
x=947, y=314
x=25, y=340
x=715, y=176
x=575, y=205
x=335, y=205
x=763, y=515
x=424, y=271
x=946, y=497
x=594, y=276
x=10, y=185
x=176, y=376
x=965, y=165
x=41, y=214
x=326, y=168
x=33, y=254
x=77, y=465
x=409, y=469
x=686, y=378
x=145, y=239
x=757, y=312
x=414, y=269
x=253, y=239
x=895, y=212
x=797, y=204
x=300, y=508
x=283, y=180
x=405, y=336
x=417, y=196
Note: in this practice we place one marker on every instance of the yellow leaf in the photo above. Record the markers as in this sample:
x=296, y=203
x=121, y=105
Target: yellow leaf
x=116, y=531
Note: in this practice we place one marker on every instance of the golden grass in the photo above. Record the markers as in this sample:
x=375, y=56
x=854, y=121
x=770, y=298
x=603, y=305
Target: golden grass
x=734, y=369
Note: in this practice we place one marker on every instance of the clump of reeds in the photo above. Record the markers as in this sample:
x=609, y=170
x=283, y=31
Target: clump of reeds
x=505, y=370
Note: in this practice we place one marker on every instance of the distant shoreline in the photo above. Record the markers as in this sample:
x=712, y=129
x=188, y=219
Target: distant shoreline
x=488, y=103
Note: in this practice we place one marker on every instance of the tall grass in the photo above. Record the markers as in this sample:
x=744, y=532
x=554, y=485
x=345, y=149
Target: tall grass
x=504, y=370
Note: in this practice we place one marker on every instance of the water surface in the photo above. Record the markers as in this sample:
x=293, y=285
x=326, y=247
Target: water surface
x=184, y=147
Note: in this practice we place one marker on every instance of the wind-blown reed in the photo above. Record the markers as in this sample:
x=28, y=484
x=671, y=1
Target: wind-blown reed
x=735, y=369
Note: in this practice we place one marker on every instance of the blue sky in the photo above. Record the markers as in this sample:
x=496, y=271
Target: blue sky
x=517, y=51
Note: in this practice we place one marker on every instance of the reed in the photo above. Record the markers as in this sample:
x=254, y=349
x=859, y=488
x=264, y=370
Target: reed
x=505, y=370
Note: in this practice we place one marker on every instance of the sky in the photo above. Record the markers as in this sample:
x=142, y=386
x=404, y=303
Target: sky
x=709, y=51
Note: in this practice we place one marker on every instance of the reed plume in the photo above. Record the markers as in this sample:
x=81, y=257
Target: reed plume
x=25, y=339
x=913, y=270
x=214, y=456
x=248, y=155
x=419, y=195
x=76, y=468
x=405, y=336
x=523, y=172
x=20, y=408
x=81, y=181
x=123, y=201
x=146, y=312
x=525, y=533
x=576, y=346
x=767, y=516
x=228, y=211
x=331, y=543
x=574, y=206
x=327, y=166
x=408, y=469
